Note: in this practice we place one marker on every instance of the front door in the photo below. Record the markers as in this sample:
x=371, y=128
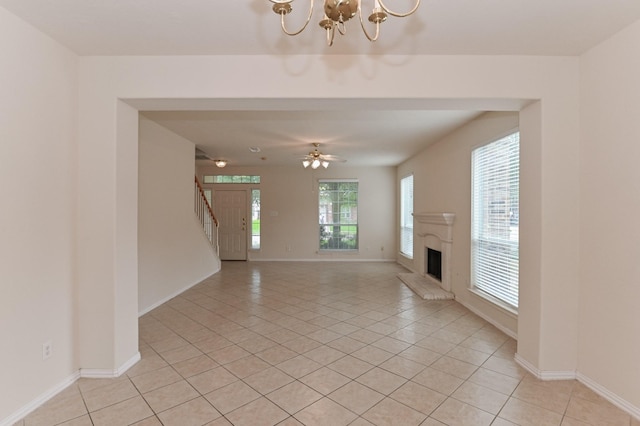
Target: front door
x=231, y=209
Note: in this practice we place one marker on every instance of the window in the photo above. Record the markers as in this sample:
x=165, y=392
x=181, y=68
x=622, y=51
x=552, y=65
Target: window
x=406, y=216
x=338, y=214
x=230, y=179
x=495, y=219
x=255, y=219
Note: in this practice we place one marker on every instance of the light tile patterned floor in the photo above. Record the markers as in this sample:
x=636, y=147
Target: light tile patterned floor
x=291, y=343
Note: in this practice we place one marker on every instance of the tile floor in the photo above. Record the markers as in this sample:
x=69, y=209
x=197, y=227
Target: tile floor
x=293, y=343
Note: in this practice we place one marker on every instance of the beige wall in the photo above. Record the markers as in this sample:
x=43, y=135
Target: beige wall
x=173, y=251
x=530, y=296
x=38, y=104
x=480, y=82
x=609, y=215
x=442, y=183
x=88, y=253
x=289, y=211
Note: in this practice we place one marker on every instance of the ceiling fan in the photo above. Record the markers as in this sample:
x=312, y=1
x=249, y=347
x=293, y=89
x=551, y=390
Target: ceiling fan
x=316, y=158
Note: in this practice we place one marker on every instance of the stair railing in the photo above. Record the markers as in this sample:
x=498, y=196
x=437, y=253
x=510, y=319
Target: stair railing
x=205, y=215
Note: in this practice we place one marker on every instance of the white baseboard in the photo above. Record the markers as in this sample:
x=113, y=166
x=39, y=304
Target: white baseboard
x=36, y=403
x=490, y=320
x=97, y=373
x=542, y=374
x=609, y=396
x=591, y=384
x=83, y=372
x=328, y=259
x=130, y=363
x=174, y=294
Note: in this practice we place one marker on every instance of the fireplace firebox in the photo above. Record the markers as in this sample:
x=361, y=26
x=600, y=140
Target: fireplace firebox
x=434, y=264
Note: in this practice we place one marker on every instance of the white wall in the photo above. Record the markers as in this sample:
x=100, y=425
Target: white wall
x=173, y=251
x=38, y=83
x=289, y=211
x=442, y=183
x=610, y=211
x=230, y=82
x=531, y=212
x=38, y=103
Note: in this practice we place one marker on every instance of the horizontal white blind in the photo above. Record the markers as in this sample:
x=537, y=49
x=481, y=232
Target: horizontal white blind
x=495, y=218
x=406, y=216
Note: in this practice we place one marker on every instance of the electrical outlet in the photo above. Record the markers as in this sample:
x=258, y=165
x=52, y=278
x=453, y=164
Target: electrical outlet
x=47, y=350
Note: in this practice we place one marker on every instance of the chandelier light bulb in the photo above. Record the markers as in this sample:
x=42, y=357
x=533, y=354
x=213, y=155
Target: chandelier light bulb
x=315, y=164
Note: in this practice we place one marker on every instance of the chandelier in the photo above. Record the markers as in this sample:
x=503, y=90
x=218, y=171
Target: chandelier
x=337, y=13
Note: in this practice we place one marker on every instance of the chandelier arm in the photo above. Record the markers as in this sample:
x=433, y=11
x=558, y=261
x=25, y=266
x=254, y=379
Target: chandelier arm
x=364, y=29
x=396, y=14
x=282, y=24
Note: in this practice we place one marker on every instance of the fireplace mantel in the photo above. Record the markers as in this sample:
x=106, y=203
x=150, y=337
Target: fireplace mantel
x=438, y=224
x=435, y=218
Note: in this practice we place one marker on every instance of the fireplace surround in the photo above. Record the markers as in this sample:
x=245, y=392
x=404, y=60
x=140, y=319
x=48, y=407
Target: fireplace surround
x=435, y=231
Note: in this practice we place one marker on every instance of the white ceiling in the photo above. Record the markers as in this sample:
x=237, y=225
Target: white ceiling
x=384, y=136
x=363, y=138
x=249, y=27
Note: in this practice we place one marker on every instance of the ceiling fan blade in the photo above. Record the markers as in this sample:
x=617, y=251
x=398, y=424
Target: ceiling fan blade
x=332, y=158
x=316, y=154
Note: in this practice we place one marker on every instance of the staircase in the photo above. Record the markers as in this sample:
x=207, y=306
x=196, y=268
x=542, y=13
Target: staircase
x=205, y=216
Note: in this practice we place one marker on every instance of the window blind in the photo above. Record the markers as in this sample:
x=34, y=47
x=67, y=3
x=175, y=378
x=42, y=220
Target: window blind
x=495, y=218
x=406, y=216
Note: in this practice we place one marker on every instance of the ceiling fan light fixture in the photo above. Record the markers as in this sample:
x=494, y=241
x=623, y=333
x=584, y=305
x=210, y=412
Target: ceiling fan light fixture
x=315, y=158
x=220, y=163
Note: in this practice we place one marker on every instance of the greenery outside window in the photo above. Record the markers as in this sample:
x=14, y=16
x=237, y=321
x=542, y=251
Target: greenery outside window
x=255, y=219
x=406, y=216
x=338, y=214
x=230, y=179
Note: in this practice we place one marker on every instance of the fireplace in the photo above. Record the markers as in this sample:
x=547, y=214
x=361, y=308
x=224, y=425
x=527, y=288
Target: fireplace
x=434, y=263
x=434, y=246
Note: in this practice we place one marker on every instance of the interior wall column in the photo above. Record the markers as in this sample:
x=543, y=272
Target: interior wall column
x=106, y=232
